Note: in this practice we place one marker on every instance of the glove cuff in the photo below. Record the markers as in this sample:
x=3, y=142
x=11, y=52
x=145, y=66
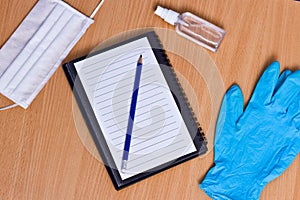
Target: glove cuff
x=221, y=185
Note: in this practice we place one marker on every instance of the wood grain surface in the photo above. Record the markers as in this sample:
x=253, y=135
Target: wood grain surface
x=42, y=151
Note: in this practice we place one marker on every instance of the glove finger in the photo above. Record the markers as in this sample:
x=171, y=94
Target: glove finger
x=265, y=87
x=289, y=91
x=232, y=107
x=231, y=110
x=281, y=79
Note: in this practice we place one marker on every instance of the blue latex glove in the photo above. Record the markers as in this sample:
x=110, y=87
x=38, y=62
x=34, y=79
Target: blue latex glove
x=255, y=146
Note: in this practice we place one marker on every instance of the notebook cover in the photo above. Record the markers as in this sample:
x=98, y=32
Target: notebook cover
x=96, y=132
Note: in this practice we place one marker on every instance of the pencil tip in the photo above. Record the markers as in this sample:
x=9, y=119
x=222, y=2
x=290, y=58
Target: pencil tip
x=140, y=59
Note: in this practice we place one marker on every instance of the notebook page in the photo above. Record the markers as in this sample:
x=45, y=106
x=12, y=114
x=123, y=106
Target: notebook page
x=159, y=133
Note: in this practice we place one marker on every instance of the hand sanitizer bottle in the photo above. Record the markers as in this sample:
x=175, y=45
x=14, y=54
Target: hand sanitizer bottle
x=193, y=28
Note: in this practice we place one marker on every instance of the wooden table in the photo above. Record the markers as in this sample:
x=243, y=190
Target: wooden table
x=41, y=154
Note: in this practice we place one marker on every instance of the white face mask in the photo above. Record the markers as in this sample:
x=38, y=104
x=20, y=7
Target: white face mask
x=38, y=46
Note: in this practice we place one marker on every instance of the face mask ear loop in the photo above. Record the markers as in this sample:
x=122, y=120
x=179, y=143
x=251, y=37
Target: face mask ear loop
x=96, y=9
x=8, y=107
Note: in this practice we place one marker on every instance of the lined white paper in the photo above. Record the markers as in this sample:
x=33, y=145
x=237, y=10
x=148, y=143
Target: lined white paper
x=159, y=133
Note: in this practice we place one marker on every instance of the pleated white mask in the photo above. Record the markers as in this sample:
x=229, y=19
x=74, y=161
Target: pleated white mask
x=35, y=50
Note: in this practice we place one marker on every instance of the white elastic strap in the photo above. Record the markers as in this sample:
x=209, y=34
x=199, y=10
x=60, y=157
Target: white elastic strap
x=8, y=107
x=96, y=9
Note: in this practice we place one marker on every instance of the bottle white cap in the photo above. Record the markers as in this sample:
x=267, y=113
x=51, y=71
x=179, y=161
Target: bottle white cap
x=169, y=16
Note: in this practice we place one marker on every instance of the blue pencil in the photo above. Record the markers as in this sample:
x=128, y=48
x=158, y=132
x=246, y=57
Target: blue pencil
x=132, y=113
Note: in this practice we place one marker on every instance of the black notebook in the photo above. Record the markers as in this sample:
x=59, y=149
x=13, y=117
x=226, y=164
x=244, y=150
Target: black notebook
x=165, y=131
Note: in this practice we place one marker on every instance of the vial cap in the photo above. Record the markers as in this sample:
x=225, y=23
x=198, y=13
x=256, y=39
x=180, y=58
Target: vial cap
x=169, y=16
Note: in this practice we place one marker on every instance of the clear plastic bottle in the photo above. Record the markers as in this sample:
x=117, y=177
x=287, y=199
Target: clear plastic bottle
x=193, y=28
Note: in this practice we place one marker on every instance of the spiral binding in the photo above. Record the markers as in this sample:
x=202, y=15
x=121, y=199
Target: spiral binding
x=167, y=61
